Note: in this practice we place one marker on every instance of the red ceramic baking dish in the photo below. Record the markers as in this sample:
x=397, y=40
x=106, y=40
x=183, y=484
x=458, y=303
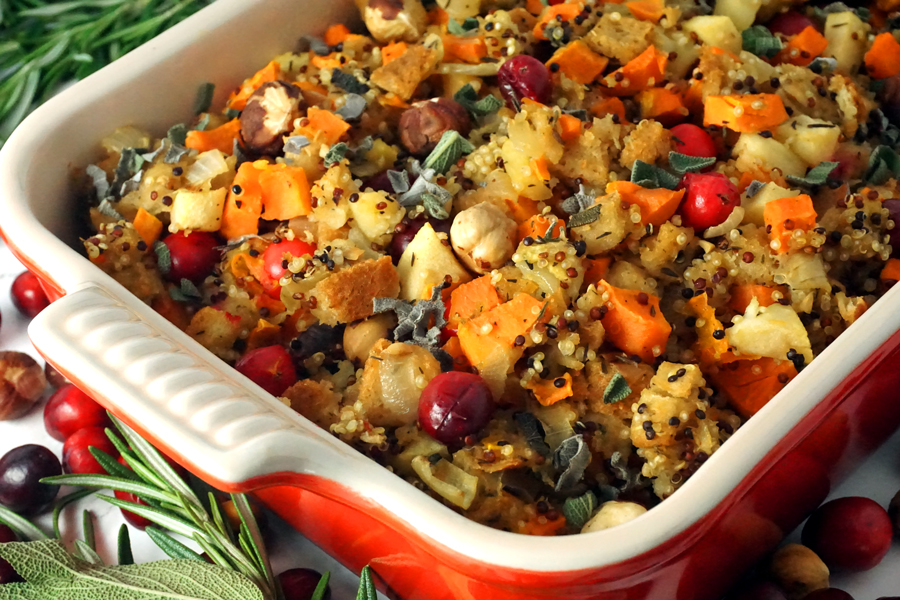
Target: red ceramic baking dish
x=757, y=487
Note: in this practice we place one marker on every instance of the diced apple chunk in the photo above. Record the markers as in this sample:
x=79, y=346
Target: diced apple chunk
x=741, y=12
x=813, y=140
x=197, y=211
x=715, y=30
x=425, y=263
x=752, y=151
x=847, y=38
x=771, y=331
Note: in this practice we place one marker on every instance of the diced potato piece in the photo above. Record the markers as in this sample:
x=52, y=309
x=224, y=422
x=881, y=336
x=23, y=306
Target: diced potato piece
x=197, y=211
x=753, y=207
x=376, y=214
x=813, y=140
x=770, y=331
x=753, y=151
x=741, y=12
x=425, y=263
x=715, y=30
x=847, y=39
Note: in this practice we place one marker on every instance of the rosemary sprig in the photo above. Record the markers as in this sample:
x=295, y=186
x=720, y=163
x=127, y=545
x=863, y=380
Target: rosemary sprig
x=45, y=44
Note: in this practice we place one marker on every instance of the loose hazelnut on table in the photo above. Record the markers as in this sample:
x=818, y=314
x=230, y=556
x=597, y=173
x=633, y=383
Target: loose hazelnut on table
x=422, y=126
x=394, y=20
x=269, y=116
x=483, y=237
x=798, y=570
x=22, y=383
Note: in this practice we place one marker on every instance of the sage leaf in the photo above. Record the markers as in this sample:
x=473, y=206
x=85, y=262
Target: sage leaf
x=572, y=458
x=652, y=177
x=366, y=585
x=469, y=25
x=177, y=134
x=585, y=217
x=413, y=320
x=533, y=431
x=124, y=546
x=348, y=82
x=759, y=40
x=353, y=107
x=818, y=175
x=52, y=573
x=295, y=143
x=434, y=207
x=683, y=163
x=86, y=553
x=203, y=123
x=98, y=178
x=884, y=163
x=399, y=181
x=616, y=390
x=578, y=510
x=106, y=209
x=631, y=478
x=449, y=149
x=577, y=202
x=204, y=97
x=753, y=189
x=467, y=97
x=336, y=154
x=163, y=257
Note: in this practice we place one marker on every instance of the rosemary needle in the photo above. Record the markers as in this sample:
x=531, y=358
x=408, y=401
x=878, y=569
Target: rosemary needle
x=45, y=44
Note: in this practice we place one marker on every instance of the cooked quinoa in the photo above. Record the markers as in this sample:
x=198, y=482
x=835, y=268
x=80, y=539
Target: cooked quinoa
x=635, y=223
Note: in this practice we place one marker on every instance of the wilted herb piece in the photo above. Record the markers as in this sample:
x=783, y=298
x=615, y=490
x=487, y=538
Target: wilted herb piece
x=468, y=98
x=449, y=149
x=106, y=209
x=399, y=181
x=186, y=293
x=631, y=477
x=413, y=319
x=422, y=186
x=336, y=154
x=353, y=107
x=578, y=113
x=128, y=168
x=434, y=207
x=683, y=163
x=585, y=217
x=577, y=202
x=98, y=178
x=295, y=144
x=469, y=25
x=818, y=175
x=616, y=390
x=204, y=97
x=177, y=134
x=533, y=431
x=348, y=82
x=572, y=458
x=884, y=163
x=823, y=63
x=163, y=257
x=759, y=40
x=578, y=510
x=315, y=44
x=548, y=236
x=203, y=123
x=232, y=113
x=754, y=188
x=652, y=177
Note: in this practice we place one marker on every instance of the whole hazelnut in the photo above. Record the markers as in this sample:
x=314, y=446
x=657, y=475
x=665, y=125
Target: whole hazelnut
x=798, y=570
x=483, y=237
x=394, y=20
x=22, y=383
x=613, y=513
x=269, y=115
x=422, y=126
x=54, y=377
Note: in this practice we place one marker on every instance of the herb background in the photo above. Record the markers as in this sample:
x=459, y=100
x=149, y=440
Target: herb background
x=46, y=44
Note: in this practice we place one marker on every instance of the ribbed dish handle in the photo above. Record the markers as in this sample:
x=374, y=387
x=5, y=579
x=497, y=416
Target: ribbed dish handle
x=184, y=399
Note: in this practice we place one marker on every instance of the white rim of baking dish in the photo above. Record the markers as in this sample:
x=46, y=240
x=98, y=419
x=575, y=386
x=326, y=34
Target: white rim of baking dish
x=249, y=434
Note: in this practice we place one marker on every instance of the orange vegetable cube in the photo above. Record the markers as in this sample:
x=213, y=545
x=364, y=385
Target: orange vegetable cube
x=566, y=12
x=750, y=113
x=147, y=226
x=242, y=210
x=221, y=138
x=392, y=52
x=803, y=47
x=285, y=192
x=549, y=391
x=569, y=128
x=750, y=384
x=742, y=295
x=464, y=49
x=785, y=215
x=597, y=268
x=657, y=205
x=708, y=347
x=891, y=270
x=537, y=226
x=496, y=330
x=645, y=70
x=883, y=58
x=471, y=299
x=634, y=323
x=578, y=62
x=646, y=10
x=662, y=104
x=324, y=125
x=336, y=34
x=609, y=106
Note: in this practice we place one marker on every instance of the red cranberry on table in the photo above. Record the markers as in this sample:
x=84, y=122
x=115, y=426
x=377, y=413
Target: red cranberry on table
x=790, y=23
x=273, y=257
x=299, y=584
x=271, y=368
x=851, y=534
x=77, y=457
x=454, y=405
x=693, y=141
x=21, y=471
x=7, y=573
x=69, y=409
x=524, y=77
x=193, y=255
x=828, y=594
x=28, y=295
x=708, y=200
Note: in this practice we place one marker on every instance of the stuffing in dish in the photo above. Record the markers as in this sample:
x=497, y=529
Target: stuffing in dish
x=538, y=260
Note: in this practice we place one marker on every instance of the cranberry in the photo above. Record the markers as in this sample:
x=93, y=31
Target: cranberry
x=21, y=471
x=852, y=533
x=193, y=255
x=523, y=77
x=274, y=256
x=69, y=409
x=693, y=141
x=7, y=573
x=270, y=368
x=790, y=23
x=762, y=590
x=299, y=584
x=454, y=405
x=893, y=206
x=408, y=229
x=136, y=520
x=709, y=199
x=828, y=594
x=28, y=295
x=77, y=457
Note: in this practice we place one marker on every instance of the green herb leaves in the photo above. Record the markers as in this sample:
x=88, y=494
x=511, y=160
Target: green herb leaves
x=52, y=573
x=449, y=149
x=163, y=257
x=585, y=217
x=577, y=202
x=348, y=82
x=616, y=390
x=469, y=25
x=682, y=163
x=759, y=40
x=204, y=97
x=578, y=510
x=818, y=175
x=468, y=98
x=336, y=154
x=571, y=457
x=884, y=163
x=653, y=177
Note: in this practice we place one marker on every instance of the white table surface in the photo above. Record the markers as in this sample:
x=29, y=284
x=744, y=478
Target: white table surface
x=878, y=478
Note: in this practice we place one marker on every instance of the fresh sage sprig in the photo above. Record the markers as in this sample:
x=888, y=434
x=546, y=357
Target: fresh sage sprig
x=47, y=43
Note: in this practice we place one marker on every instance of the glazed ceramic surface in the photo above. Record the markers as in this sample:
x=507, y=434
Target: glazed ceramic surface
x=230, y=432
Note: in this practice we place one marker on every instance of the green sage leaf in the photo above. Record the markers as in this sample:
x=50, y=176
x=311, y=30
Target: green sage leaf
x=652, y=177
x=124, y=545
x=449, y=149
x=336, y=154
x=86, y=553
x=204, y=97
x=469, y=25
x=683, y=163
x=818, y=175
x=759, y=40
x=533, y=431
x=434, y=207
x=467, y=97
x=177, y=134
x=884, y=163
x=163, y=257
x=348, y=82
x=51, y=572
x=616, y=390
x=585, y=217
x=578, y=510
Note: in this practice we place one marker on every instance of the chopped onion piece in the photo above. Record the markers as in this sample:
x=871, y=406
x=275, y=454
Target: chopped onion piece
x=733, y=220
x=126, y=137
x=449, y=481
x=208, y=165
